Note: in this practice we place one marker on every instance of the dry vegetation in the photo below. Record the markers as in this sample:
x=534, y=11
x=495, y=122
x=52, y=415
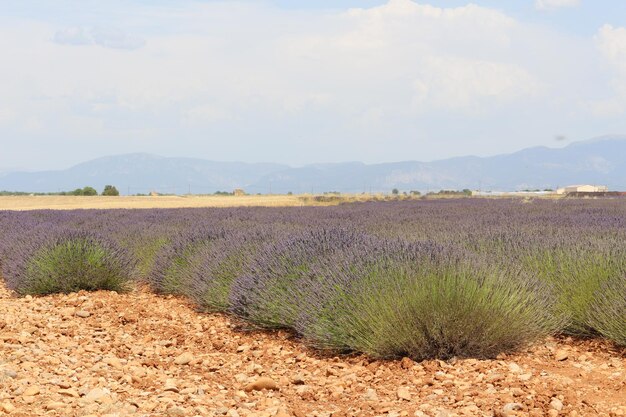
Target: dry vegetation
x=145, y=202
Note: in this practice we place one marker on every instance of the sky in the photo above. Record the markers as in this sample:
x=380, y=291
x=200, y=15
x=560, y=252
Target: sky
x=300, y=82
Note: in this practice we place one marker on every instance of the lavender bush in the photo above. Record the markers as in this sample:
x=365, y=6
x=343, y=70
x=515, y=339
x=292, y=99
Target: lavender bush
x=269, y=294
x=423, y=301
x=173, y=269
x=63, y=261
x=219, y=265
x=608, y=310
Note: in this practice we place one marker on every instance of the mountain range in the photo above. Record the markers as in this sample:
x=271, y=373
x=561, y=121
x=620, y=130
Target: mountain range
x=598, y=161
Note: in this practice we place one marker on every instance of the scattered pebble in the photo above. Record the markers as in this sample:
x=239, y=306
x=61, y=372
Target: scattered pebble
x=183, y=359
x=404, y=394
x=31, y=391
x=556, y=404
x=261, y=384
x=111, y=367
x=561, y=355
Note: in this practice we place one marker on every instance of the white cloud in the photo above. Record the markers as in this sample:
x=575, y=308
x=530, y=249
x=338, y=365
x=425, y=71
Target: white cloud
x=105, y=37
x=7, y=115
x=555, y=4
x=73, y=36
x=611, y=42
x=205, y=114
x=463, y=84
x=379, y=83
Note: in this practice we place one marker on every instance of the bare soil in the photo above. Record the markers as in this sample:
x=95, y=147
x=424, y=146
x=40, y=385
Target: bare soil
x=141, y=354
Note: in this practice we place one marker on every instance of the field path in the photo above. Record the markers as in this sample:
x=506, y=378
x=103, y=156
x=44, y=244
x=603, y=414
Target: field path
x=140, y=354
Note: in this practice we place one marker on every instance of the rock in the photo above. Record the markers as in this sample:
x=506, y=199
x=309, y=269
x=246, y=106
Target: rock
x=282, y=413
x=512, y=407
x=183, y=359
x=68, y=393
x=10, y=373
x=517, y=392
x=98, y=395
x=170, y=385
x=298, y=380
x=176, y=412
x=515, y=368
x=509, y=409
x=114, y=362
x=495, y=378
x=556, y=404
x=406, y=363
x=7, y=407
x=561, y=355
x=82, y=314
x=261, y=384
x=31, y=391
x=54, y=405
x=553, y=413
x=403, y=394
x=370, y=395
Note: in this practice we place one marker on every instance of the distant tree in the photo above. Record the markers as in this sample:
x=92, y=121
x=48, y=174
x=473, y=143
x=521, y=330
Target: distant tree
x=289, y=193
x=89, y=191
x=415, y=193
x=110, y=191
x=395, y=191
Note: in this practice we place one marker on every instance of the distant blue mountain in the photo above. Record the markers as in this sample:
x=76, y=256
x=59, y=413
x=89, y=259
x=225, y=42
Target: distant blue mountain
x=597, y=161
x=142, y=173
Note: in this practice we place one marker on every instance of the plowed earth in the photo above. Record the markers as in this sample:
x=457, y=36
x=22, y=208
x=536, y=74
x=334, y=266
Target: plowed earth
x=141, y=354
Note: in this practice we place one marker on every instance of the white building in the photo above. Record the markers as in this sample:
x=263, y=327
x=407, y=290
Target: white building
x=583, y=189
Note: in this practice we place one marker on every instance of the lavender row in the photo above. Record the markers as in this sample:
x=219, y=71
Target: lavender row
x=424, y=279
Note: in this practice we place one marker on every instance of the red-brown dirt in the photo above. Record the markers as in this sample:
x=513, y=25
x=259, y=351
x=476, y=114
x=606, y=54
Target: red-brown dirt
x=140, y=354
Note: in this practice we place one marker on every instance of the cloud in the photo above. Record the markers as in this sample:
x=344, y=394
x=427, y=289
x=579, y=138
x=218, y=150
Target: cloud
x=105, y=37
x=611, y=42
x=247, y=80
x=555, y=4
x=203, y=115
x=73, y=36
x=7, y=115
x=465, y=84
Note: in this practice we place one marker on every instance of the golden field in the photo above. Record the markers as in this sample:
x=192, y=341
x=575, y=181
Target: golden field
x=144, y=202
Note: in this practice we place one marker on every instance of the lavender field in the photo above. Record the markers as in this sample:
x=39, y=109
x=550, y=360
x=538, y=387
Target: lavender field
x=423, y=279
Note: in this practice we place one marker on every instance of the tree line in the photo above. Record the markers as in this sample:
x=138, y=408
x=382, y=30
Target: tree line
x=109, y=190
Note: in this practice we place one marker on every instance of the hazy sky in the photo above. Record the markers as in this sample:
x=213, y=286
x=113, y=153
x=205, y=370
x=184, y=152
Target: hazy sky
x=305, y=81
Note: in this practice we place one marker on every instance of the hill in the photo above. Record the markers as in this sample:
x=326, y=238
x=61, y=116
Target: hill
x=597, y=161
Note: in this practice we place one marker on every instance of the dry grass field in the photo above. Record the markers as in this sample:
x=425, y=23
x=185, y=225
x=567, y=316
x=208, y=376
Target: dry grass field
x=132, y=202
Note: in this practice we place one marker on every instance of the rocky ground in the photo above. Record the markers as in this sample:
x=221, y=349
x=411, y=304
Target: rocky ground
x=140, y=354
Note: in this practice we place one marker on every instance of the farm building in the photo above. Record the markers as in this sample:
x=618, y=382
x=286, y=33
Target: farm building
x=583, y=189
